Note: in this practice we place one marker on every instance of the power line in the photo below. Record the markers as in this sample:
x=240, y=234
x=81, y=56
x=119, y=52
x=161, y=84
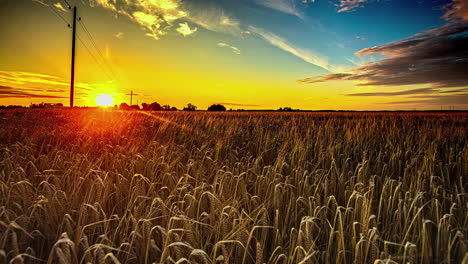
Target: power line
x=83, y=43
x=58, y=14
x=96, y=47
x=109, y=68
x=99, y=52
x=106, y=63
x=69, y=6
x=94, y=57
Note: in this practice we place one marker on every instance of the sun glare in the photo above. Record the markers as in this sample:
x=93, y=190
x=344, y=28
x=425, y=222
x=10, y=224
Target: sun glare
x=104, y=100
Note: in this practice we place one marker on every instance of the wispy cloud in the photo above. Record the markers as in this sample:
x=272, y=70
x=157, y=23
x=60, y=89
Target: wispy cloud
x=360, y=37
x=411, y=92
x=286, y=6
x=119, y=35
x=460, y=101
x=36, y=85
x=306, y=55
x=225, y=45
x=34, y=79
x=156, y=17
x=42, y=2
x=457, y=10
x=59, y=6
x=349, y=5
x=215, y=19
x=462, y=90
x=14, y=92
x=185, y=29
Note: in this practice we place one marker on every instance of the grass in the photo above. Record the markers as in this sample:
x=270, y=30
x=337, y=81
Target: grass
x=131, y=187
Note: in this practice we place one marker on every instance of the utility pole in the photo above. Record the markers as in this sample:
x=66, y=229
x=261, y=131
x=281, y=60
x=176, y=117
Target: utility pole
x=131, y=97
x=72, y=81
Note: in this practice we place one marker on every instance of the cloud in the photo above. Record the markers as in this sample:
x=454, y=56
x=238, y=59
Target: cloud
x=156, y=17
x=437, y=57
x=185, y=29
x=146, y=20
x=215, y=19
x=225, y=45
x=28, y=78
x=42, y=2
x=306, y=55
x=24, y=81
x=457, y=10
x=119, y=35
x=360, y=37
x=13, y=92
x=410, y=92
x=349, y=5
x=59, y=6
x=21, y=78
x=460, y=101
x=16, y=84
x=463, y=90
x=285, y=6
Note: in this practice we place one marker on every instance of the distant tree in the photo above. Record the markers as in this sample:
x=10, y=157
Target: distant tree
x=190, y=107
x=124, y=106
x=287, y=109
x=152, y=107
x=173, y=108
x=217, y=107
x=10, y=106
x=155, y=107
x=135, y=107
x=166, y=107
x=46, y=105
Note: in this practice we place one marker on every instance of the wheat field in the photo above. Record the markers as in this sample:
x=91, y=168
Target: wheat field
x=94, y=186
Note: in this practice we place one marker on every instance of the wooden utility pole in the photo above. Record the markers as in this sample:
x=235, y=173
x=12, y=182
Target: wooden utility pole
x=131, y=97
x=72, y=81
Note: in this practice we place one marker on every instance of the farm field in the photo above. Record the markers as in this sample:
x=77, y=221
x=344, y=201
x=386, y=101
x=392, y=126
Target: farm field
x=96, y=186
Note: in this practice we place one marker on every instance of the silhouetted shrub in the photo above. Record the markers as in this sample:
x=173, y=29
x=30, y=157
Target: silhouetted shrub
x=152, y=107
x=190, y=107
x=287, y=109
x=46, y=105
x=10, y=106
x=217, y=107
x=124, y=106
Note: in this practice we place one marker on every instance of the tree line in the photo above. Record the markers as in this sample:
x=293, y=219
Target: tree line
x=41, y=105
x=155, y=106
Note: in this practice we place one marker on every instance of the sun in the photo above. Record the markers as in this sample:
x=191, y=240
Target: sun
x=105, y=100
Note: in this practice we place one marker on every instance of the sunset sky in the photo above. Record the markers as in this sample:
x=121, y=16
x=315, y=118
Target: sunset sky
x=251, y=54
